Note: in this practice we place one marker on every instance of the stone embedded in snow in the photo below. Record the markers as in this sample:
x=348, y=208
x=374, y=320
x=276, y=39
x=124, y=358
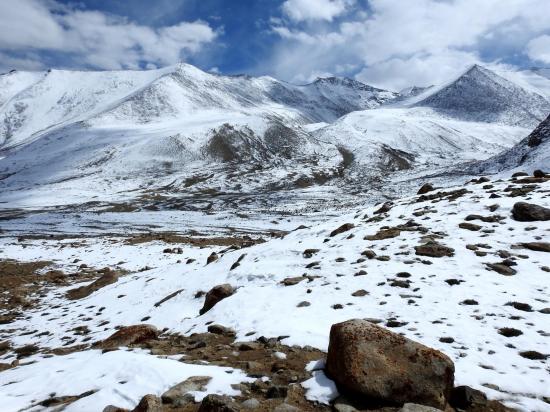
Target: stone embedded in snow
x=434, y=249
x=537, y=246
x=221, y=330
x=83, y=291
x=178, y=395
x=212, y=258
x=528, y=212
x=344, y=228
x=469, y=226
x=216, y=294
x=129, y=335
x=369, y=361
x=426, y=187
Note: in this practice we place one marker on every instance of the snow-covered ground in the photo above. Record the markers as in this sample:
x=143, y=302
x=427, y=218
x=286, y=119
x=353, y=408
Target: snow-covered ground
x=427, y=297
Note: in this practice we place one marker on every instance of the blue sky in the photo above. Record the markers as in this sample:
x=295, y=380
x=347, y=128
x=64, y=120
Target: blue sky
x=387, y=43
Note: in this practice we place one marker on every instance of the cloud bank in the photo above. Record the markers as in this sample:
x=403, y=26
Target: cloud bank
x=93, y=39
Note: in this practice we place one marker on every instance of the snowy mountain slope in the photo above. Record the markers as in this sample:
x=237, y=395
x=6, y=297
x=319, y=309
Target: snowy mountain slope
x=531, y=153
x=296, y=287
x=416, y=137
x=64, y=97
x=482, y=95
x=15, y=81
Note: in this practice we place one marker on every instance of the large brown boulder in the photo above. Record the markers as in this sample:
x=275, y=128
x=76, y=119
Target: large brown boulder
x=216, y=294
x=374, y=364
x=529, y=212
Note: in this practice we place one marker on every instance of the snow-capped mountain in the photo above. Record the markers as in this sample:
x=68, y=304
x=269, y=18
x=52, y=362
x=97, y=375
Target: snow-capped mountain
x=482, y=95
x=34, y=103
x=533, y=152
x=182, y=130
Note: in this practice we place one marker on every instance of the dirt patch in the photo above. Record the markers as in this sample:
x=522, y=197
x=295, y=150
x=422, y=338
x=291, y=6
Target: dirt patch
x=19, y=282
x=244, y=241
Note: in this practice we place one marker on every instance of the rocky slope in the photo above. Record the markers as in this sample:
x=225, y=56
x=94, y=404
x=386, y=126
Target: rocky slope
x=462, y=270
x=482, y=95
x=533, y=152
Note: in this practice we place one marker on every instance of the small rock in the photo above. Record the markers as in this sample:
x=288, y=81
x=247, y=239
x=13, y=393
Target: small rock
x=434, y=249
x=212, y=258
x=178, y=395
x=221, y=330
x=344, y=228
x=426, y=187
x=469, y=226
x=149, y=403
x=537, y=246
x=129, y=335
x=217, y=403
x=464, y=397
x=528, y=212
x=360, y=293
x=215, y=295
x=501, y=268
x=277, y=392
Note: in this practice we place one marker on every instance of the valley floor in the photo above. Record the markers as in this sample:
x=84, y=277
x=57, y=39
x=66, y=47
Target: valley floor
x=451, y=269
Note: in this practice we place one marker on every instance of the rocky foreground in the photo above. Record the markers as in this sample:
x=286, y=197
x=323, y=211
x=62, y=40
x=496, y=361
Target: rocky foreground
x=448, y=291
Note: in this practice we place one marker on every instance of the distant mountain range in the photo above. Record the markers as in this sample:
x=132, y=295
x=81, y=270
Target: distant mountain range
x=126, y=132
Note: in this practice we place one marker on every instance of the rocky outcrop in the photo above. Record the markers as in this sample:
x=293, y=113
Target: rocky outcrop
x=373, y=363
x=83, y=291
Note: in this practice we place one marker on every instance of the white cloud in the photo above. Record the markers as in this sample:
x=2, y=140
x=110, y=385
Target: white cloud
x=303, y=10
x=96, y=39
x=420, y=43
x=538, y=49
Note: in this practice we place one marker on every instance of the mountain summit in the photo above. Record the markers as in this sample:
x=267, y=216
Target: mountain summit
x=479, y=94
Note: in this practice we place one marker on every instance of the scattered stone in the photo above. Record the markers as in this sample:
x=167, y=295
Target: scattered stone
x=501, y=268
x=528, y=212
x=525, y=307
x=369, y=254
x=303, y=304
x=149, y=403
x=360, y=293
x=385, y=208
x=533, y=355
x=275, y=392
x=308, y=253
x=84, y=291
x=510, y=332
x=221, y=330
x=426, y=187
x=469, y=302
x=399, y=370
x=537, y=246
x=446, y=340
x=178, y=395
x=384, y=234
x=434, y=249
x=212, y=258
x=129, y=335
x=464, y=397
x=215, y=295
x=469, y=226
x=344, y=228
x=539, y=174
x=293, y=281
x=217, y=403
x=167, y=298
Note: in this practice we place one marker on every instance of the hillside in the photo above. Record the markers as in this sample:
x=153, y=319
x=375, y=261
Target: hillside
x=452, y=269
